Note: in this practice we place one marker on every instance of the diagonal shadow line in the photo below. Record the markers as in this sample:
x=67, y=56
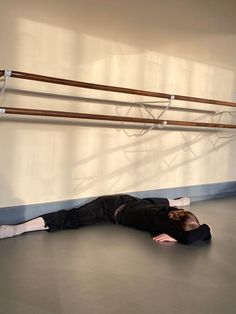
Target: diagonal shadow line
x=146, y=160
x=170, y=168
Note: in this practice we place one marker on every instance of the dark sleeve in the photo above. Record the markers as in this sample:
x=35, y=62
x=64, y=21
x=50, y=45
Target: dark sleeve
x=202, y=233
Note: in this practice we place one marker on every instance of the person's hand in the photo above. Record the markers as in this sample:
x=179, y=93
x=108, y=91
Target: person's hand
x=163, y=238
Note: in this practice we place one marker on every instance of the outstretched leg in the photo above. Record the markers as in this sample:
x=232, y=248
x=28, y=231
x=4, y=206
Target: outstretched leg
x=7, y=231
x=63, y=219
x=181, y=201
x=101, y=210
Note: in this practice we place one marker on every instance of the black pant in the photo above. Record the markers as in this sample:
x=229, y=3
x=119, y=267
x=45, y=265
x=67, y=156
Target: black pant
x=101, y=210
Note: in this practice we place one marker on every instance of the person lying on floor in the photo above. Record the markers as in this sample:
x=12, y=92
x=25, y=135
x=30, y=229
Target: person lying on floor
x=160, y=216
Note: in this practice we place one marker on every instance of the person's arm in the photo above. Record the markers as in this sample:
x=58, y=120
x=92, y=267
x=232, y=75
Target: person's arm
x=202, y=233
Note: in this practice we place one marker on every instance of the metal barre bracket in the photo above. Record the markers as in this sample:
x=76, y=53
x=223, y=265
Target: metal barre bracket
x=2, y=89
x=220, y=114
x=7, y=73
x=2, y=111
x=155, y=125
x=164, y=123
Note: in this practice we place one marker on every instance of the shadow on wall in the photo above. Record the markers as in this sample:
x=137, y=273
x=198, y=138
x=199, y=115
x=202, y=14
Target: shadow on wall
x=138, y=158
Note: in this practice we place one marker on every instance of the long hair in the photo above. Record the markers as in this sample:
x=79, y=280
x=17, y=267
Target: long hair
x=184, y=219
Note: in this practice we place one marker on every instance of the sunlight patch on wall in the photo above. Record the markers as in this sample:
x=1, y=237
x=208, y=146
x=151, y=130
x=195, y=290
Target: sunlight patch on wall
x=45, y=49
x=52, y=50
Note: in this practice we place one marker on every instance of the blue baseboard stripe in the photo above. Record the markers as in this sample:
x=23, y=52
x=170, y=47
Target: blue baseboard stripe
x=17, y=214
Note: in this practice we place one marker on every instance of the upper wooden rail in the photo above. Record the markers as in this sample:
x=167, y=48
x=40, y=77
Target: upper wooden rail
x=60, y=81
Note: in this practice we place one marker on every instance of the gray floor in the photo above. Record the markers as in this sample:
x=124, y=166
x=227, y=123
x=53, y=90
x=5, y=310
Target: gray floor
x=113, y=269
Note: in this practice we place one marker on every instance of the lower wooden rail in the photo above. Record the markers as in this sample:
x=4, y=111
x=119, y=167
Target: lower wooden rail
x=77, y=115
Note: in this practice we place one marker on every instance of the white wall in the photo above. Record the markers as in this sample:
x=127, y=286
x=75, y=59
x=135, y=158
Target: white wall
x=175, y=46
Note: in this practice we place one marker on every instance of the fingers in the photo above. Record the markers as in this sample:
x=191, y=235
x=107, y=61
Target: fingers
x=164, y=238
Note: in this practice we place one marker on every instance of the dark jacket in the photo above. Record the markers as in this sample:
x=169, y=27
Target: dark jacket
x=147, y=215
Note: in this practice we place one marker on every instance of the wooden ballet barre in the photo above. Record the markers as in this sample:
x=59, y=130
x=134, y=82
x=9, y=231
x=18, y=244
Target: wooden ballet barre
x=75, y=115
x=60, y=81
